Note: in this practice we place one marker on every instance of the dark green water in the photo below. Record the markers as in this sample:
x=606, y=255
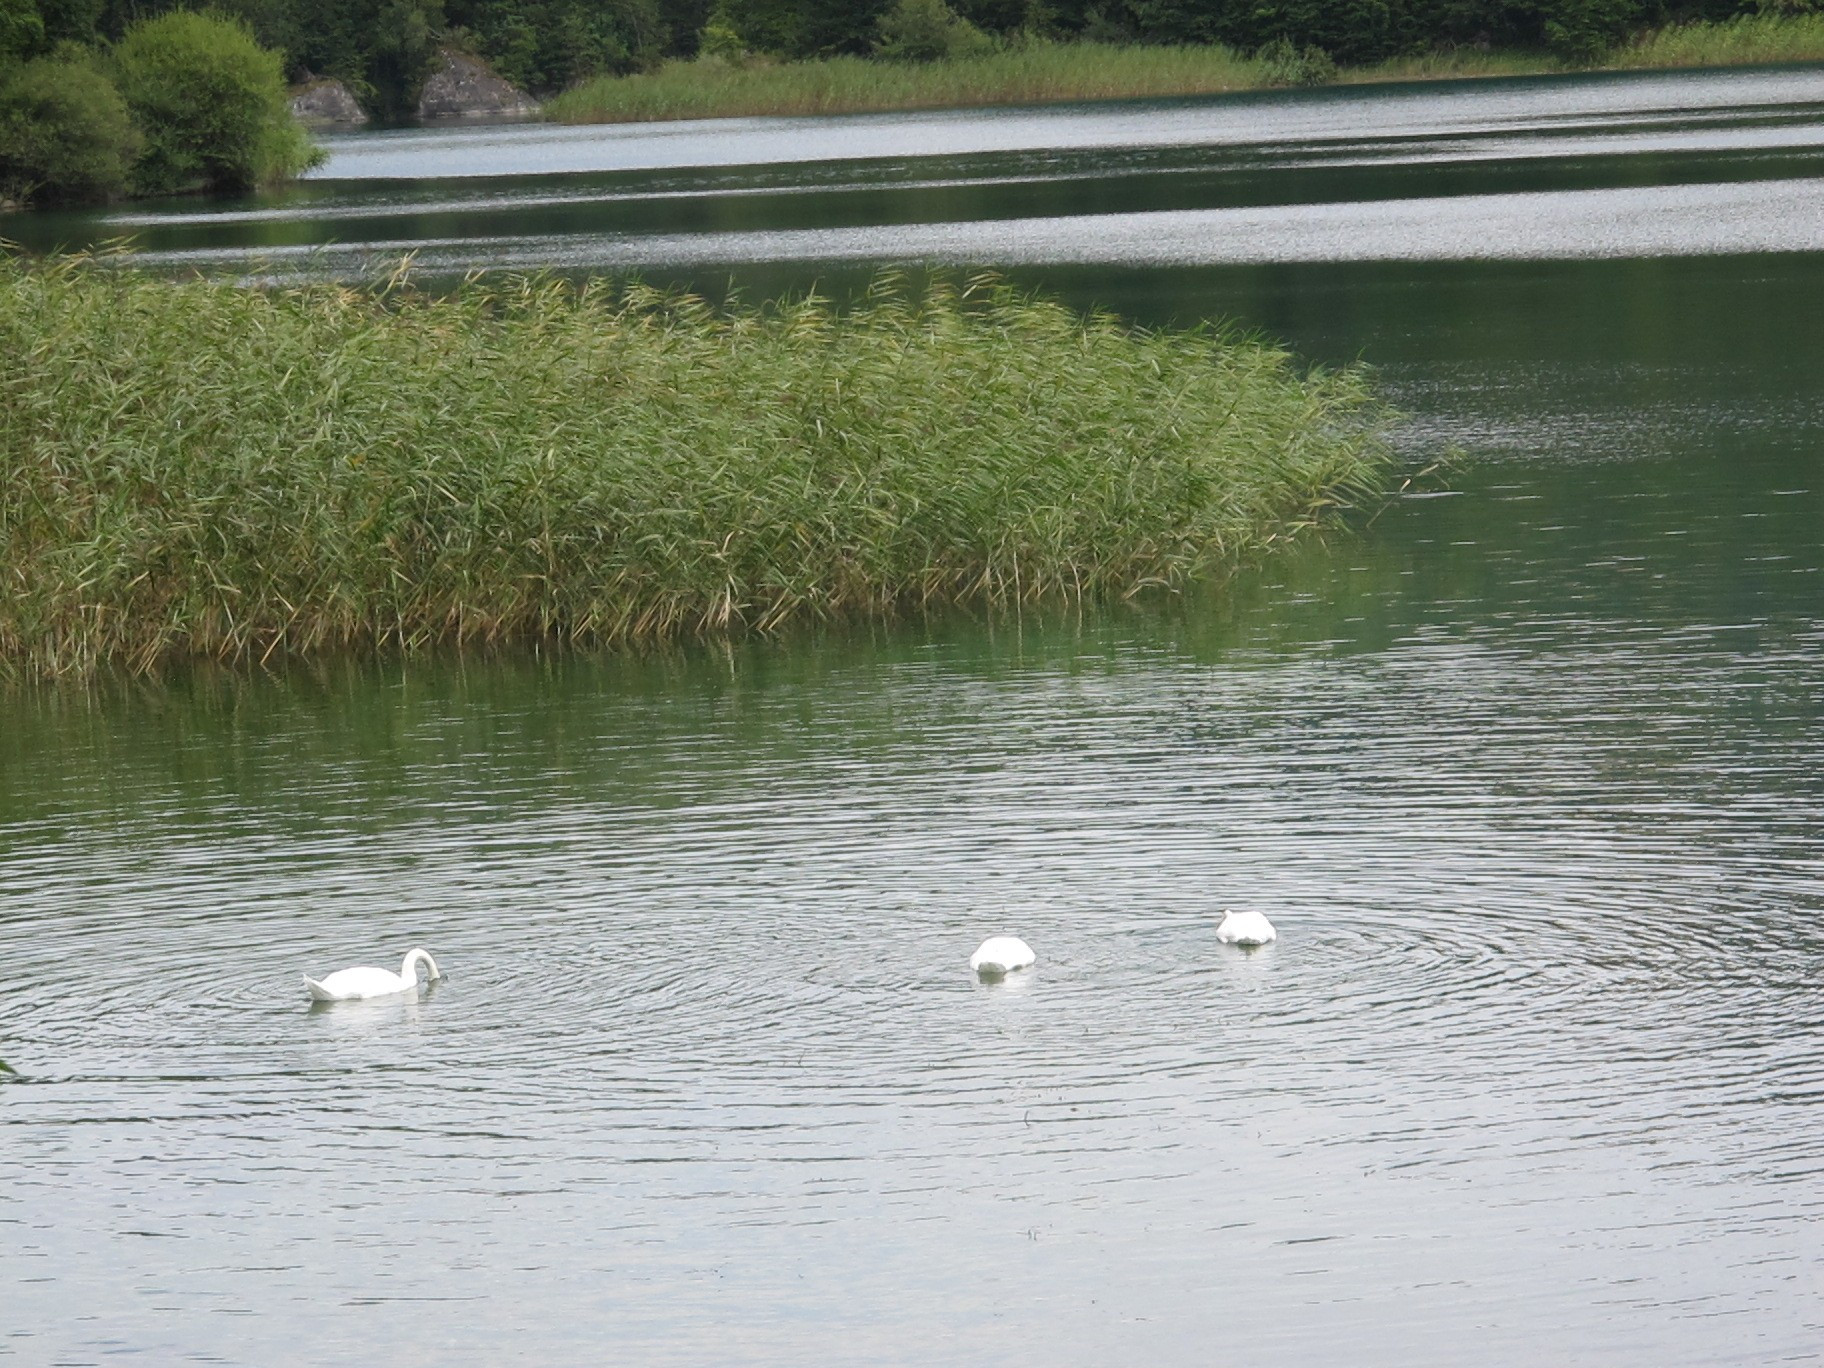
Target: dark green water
x=1529, y=773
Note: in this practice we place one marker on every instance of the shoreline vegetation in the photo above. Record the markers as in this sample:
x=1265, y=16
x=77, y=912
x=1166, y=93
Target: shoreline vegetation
x=181, y=103
x=1042, y=71
x=200, y=470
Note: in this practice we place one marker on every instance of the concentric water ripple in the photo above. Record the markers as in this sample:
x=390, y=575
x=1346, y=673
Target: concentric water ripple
x=1550, y=944
x=1529, y=772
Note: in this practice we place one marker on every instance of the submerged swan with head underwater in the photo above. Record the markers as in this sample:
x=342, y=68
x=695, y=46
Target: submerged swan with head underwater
x=1245, y=928
x=1001, y=955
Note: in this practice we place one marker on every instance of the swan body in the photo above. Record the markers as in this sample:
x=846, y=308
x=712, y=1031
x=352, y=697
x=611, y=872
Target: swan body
x=365, y=981
x=1244, y=928
x=1002, y=955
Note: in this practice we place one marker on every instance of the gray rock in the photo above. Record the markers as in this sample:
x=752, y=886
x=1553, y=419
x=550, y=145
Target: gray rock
x=326, y=104
x=463, y=88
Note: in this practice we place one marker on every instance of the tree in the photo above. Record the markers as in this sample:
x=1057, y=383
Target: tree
x=211, y=104
x=65, y=135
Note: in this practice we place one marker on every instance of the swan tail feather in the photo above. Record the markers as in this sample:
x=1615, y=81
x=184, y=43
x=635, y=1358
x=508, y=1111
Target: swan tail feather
x=318, y=993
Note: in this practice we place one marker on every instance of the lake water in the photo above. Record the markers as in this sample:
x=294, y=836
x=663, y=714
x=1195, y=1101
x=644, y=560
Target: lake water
x=1529, y=771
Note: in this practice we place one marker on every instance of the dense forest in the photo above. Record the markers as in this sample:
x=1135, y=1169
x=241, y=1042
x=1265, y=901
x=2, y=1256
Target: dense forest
x=384, y=48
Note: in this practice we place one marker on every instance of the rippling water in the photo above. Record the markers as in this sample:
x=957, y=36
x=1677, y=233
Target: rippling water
x=1529, y=773
x=1609, y=166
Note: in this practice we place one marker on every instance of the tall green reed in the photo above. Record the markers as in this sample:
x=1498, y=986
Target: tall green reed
x=1033, y=72
x=1037, y=72
x=197, y=469
x=1745, y=40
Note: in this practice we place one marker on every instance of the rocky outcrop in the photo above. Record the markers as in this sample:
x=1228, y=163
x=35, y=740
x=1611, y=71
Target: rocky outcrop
x=462, y=88
x=326, y=104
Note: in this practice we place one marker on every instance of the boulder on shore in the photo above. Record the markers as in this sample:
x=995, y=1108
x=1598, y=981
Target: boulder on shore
x=326, y=104
x=464, y=88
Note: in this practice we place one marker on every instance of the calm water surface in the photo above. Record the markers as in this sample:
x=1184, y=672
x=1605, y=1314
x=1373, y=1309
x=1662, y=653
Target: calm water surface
x=1529, y=772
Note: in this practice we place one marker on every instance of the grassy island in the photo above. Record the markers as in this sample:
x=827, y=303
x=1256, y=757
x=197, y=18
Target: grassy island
x=201, y=470
x=1036, y=72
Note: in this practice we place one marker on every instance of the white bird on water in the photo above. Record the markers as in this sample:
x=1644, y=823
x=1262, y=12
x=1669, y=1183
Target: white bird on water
x=1244, y=928
x=365, y=981
x=1001, y=955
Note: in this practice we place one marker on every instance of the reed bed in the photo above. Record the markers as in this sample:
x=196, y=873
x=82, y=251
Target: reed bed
x=1455, y=64
x=1029, y=73
x=1037, y=72
x=202, y=470
x=1748, y=40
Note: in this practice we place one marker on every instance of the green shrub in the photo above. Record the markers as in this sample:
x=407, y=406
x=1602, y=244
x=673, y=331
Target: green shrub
x=65, y=135
x=721, y=40
x=1283, y=64
x=1583, y=31
x=928, y=31
x=211, y=104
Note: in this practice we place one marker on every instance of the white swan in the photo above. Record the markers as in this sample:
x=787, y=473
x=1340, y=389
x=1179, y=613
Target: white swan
x=365, y=981
x=1001, y=955
x=1244, y=928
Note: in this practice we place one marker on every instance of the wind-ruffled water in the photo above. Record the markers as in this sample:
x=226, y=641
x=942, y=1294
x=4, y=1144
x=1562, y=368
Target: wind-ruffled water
x=1529, y=773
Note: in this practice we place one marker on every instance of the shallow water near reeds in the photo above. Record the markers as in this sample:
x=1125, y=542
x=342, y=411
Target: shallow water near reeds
x=1529, y=772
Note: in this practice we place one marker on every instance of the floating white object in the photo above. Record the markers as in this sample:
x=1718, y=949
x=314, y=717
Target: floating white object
x=1244, y=928
x=365, y=981
x=1002, y=955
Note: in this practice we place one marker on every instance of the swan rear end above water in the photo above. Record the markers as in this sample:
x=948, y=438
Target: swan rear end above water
x=1001, y=955
x=365, y=981
x=1245, y=928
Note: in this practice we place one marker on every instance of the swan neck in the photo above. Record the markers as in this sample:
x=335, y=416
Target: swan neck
x=409, y=970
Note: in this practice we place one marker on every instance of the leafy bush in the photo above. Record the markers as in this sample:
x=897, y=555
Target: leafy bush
x=1584, y=30
x=64, y=133
x=721, y=40
x=211, y=104
x=1283, y=64
x=927, y=30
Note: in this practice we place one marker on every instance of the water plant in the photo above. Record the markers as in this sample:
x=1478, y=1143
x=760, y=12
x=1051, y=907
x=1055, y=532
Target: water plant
x=1747, y=39
x=1025, y=73
x=1033, y=71
x=200, y=469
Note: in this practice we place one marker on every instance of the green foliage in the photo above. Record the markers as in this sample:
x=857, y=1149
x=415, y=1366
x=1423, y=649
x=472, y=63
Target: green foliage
x=547, y=45
x=21, y=30
x=65, y=135
x=403, y=54
x=384, y=49
x=927, y=30
x=805, y=28
x=204, y=469
x=72, y=21
x=211, y=103
x=1285, y=65
x=721, y=40
x=1794, y=36
x=1582, y=31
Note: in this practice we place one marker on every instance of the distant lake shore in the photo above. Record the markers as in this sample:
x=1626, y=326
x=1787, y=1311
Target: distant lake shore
x=1048, y=72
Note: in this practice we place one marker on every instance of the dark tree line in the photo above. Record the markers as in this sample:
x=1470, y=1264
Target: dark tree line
x=384, y=48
